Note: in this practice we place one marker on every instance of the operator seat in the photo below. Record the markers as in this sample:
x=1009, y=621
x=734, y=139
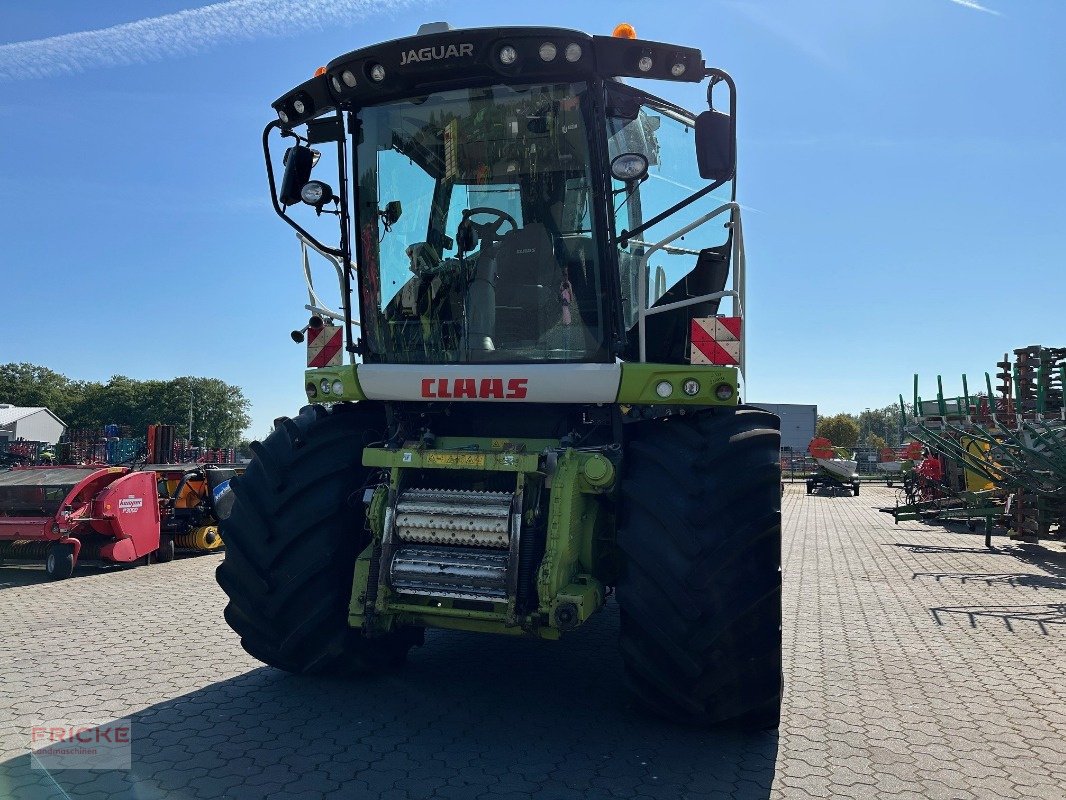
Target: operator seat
x=527, y=278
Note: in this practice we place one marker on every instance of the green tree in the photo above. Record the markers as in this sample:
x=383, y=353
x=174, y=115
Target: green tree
x=880, y=422
x=841, y=429
x=219, y=410
x=876, y=442
x=31, y=385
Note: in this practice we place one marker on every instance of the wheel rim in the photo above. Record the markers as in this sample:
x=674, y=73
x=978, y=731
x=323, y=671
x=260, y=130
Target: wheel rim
x=50, y=564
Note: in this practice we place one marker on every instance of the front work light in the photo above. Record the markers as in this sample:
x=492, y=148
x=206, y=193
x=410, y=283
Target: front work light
x=508, y=55
x=664, y=389
x=629, y=167
x=548, y=51
x=316, y=193
x=723, y=392
x=325, y=385
x=377, y=73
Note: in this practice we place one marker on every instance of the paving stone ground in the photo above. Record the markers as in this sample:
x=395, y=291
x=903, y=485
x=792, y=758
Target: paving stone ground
x=918, y=664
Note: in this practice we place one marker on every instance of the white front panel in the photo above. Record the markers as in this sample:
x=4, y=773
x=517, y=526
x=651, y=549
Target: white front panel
x=514, y=383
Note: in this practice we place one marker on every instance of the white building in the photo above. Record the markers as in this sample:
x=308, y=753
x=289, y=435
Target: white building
x=797, y=423
x=33, y=424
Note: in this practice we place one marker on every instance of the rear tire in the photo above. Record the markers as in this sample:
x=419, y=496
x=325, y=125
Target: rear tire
x=292, y=538
x=700, y=594
x=59, y=564
x=165, y=553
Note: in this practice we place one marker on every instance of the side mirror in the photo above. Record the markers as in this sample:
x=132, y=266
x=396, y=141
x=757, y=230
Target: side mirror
x=299, y=161
x=716, y=145
x=392, y=213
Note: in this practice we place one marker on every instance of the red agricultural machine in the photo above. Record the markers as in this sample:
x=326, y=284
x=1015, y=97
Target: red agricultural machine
x=66, y=515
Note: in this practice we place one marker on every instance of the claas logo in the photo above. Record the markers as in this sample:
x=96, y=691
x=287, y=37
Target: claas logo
x=474, y=388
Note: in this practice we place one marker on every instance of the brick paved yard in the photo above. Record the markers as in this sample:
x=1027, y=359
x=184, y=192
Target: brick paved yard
x=918, y=665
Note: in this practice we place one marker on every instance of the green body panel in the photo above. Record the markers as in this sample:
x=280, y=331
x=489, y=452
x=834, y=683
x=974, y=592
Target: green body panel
x=639, y=382
x=574, y=518
x=347, y=374
x=578, y=558
x=456, y=454
x=359, y=584
x=584, y=597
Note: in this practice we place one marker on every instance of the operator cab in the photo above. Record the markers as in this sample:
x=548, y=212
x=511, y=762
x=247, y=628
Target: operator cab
x=508, y=192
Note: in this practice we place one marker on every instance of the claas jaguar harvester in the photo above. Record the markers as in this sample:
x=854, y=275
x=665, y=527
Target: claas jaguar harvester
x=526, y=399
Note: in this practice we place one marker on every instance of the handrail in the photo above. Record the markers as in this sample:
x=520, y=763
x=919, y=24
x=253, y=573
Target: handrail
x=669, y=249
x=316, y=304
x=737, y=292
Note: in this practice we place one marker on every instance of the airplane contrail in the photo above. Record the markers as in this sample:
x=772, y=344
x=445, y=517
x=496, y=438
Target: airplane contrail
x=181, y=33
x=975, y=6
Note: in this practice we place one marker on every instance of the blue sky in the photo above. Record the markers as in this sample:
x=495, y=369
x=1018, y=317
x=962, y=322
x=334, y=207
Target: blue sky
x=906, y=159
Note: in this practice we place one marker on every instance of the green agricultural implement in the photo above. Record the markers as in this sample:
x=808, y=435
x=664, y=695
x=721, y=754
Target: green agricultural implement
x=1008, y=447
x=536, y=406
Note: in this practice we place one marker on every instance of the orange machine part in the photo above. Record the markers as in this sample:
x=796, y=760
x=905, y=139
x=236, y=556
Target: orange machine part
x=820, y=447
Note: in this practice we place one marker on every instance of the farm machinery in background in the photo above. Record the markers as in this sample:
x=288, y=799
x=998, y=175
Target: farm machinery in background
x=1003, y=452
x=23, y=453
x=69, y=513
x=63, y=515
x=897, y=462
x=837, y=468
x=114, y=445
x=193, y=496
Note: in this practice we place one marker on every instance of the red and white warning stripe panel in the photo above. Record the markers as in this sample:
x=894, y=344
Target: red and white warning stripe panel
x=324, y=346
x=716, y=340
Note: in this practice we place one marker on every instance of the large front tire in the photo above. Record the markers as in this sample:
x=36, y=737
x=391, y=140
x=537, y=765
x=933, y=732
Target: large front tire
x=700, y=593
x=292, y=538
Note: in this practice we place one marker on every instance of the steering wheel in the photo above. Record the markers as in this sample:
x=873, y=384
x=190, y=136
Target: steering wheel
x=489, y=231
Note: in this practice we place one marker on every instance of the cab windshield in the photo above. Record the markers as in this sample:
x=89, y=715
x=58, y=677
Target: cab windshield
x=514, y=162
